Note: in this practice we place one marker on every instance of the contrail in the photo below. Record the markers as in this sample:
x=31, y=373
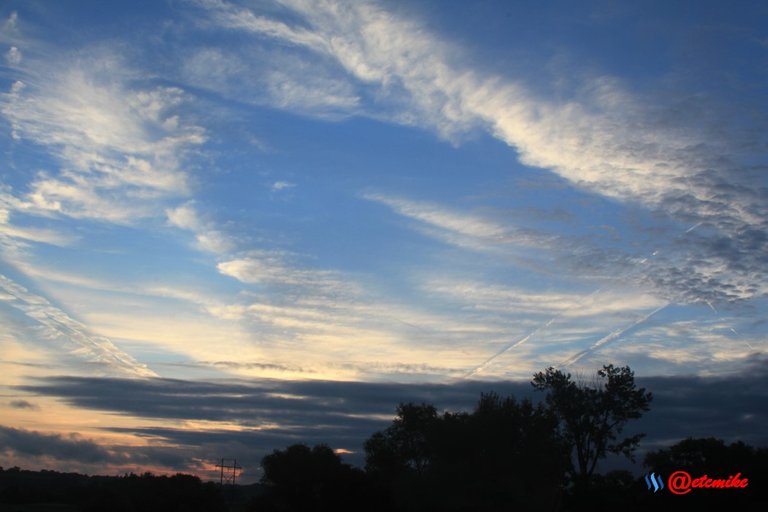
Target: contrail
x=75, y=336
x=615, y=335
x=734, y=331
x=604, y=340
x=525, y=338
x=694, y=227
x=510, y=347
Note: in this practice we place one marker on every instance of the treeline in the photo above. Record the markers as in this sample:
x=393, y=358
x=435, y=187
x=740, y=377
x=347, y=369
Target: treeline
x=510, y=454
x=505, y=454
x=483, y=474
x=51, y=490
x=303, y=478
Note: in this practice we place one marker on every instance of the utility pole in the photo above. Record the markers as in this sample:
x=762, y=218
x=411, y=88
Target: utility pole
x=234, y=467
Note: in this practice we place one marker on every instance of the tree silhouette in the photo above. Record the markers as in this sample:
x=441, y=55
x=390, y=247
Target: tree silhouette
x=404, y=445
x=709, y=455
x=593, y=415
x=304, y=478
x=505, y=454
x=51, y=490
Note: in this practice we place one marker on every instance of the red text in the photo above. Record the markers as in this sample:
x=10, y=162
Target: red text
x=680, y=482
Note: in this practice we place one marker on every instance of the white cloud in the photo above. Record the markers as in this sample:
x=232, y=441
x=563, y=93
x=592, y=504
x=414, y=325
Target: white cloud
x=13, y=56
x=207, y=236
x=276, y=77
x=588, y=143
x=45, y=236
x=11, y=23
x=606, y=141
x=602, y=137
x=69, y=334
x=301, y=88
x=492, y=297
x=467, y=230
x=120, y=147
x=282, y=185
x=462, y=224
x=235, y=17
x=214, y=241
x=184, y=217
x=270, y=267
x=705, y=346
x=332, y=318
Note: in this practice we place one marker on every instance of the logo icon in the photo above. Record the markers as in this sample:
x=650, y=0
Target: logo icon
x=654, y=482
x=680, y=482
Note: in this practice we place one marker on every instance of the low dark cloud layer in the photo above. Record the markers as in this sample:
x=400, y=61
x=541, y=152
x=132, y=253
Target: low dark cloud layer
x=274, y=414
x=71, y=447
x=294, y=405
x=728, y=407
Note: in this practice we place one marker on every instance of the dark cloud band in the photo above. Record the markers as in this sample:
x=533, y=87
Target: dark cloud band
x=273, y=414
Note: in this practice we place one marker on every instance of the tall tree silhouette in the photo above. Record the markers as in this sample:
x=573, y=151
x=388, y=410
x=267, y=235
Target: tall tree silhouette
x=593, y=415
x=505, y=454
x=404, y=445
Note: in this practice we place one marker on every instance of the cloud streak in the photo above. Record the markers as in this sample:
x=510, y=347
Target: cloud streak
x=118, y=147
x=605, y=139
x=63, y=333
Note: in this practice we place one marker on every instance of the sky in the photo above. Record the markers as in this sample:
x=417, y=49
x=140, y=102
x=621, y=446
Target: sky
x=227, y=226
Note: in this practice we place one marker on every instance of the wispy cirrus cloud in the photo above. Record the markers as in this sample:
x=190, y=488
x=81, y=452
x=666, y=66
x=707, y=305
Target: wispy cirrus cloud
x=603, y=138
x=117, y=145
x=72, y=337
x=277, y=268
x=495, y=298
x=118, y=141
x=13, y=56
x=670, y=269
x=463, y=229
x=467, y=224
x=282, y=185
x=17, y=235
x=276, y=76
x=713, y=342
x=328, y=313
x=207, y=236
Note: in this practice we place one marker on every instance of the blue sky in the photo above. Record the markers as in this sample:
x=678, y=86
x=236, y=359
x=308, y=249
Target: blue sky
x=413, y=192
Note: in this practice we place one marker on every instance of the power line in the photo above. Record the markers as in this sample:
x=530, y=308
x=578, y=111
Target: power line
x=230, y=478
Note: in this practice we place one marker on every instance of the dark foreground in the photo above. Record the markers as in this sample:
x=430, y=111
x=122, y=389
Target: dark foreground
x=51, y=491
